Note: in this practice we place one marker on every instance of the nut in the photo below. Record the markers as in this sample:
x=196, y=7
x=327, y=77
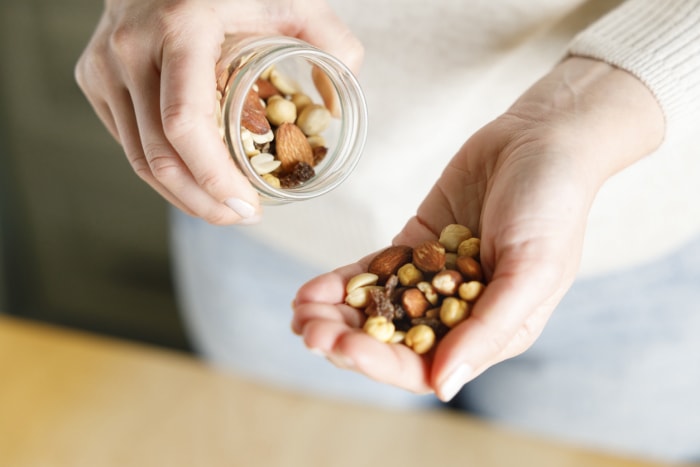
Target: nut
x=429, y=291
x=398, y=337
x=300, y=100
x=313, y=119
x=379, y=327
x=271, y=180
x=414, y=303
x=292, y=147
x=317, y=141
x=453, y=311
x=389, y=261
x=253, y=115
x=420, y=338
x=470, y=247
x=283, y=83
x=450, y=260
x=471, y=290
x=452, y=235
x=280, y=111
x=361, y=280
x=264, y=163
x=360, y=297
x=266, y=89
x=409, y=275
x=326, y=89
x=429, y=256
x=470, y=268
x=447, y=282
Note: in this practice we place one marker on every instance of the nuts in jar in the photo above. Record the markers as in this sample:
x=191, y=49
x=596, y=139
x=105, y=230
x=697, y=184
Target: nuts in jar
x=417, y=295
x=293, y=118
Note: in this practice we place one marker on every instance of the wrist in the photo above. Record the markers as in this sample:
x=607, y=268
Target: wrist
x=599, y=113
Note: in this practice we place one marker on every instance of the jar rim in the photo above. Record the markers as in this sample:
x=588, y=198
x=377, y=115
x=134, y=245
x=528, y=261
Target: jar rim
x=353, y=116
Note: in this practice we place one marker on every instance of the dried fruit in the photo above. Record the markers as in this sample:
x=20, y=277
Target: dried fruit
x=300, y=173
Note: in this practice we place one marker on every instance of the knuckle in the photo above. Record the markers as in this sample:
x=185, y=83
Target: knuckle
x=122, y=41
x=178, y=120
x=162, y=163
x=210, y=181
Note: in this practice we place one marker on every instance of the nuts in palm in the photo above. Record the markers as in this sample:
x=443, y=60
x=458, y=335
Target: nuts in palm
x=413, y=290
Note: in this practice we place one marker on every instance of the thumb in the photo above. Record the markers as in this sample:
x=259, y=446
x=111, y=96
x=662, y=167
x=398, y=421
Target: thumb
x=325, y=30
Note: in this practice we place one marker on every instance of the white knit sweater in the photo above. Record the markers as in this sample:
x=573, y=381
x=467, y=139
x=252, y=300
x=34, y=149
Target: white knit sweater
x=437, y=71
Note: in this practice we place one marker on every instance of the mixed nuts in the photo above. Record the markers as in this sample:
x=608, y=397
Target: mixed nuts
x=281, y=128
x=416, y=295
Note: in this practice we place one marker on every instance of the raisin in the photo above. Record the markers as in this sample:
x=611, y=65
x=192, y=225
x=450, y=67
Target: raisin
x=301, y=172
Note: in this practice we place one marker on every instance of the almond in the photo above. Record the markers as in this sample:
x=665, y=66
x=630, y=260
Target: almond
x=266, y=89
x=326, y=89
x=253, y=114
x=389, y=261
x=292, y=146
x=429, y=256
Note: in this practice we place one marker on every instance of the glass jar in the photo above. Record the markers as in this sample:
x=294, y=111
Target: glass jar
x=298, y=69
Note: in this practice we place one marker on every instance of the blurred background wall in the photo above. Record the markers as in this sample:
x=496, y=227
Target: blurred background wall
x=83, y=242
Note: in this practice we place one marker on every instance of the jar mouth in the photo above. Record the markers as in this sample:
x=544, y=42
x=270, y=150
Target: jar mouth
x=348, y=129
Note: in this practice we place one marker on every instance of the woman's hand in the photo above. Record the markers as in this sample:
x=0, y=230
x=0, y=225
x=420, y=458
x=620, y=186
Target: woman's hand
x=148, y=72
x=525, y=183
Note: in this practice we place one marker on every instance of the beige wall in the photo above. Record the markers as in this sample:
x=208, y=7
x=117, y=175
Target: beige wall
x=93, y=237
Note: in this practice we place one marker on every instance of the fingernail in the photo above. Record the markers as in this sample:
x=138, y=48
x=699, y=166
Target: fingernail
x=243, y=209
x=341, y=361
x=455, y=381
x=318, y=352
x=250, y=220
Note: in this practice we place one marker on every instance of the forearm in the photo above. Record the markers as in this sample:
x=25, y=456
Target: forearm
x=598, y=114
x=658, y=41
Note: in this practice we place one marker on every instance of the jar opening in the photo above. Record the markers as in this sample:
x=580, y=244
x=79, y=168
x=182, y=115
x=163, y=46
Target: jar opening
x=322, y=101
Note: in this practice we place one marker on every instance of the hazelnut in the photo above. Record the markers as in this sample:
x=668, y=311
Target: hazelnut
x=447, y=282
x=469, y=247
x=300, y=100
x=429, y=291
x=453, y=311
x=313, y=119
x=470, y=268
x=409, y=275
x=420, y=338
x=379, y=327
x=429, y=256
x=471, y=290
x=452, y=235
x=414, y=303
x=280, y=111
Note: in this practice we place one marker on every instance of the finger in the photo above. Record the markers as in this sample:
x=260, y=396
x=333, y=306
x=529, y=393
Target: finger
x=188, y=102
x=304, y=314
x=128, y=133
x=496, y=324
x=393, y=364
x=325, y=30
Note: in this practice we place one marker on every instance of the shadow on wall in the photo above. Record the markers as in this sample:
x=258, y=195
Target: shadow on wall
x=83, y=241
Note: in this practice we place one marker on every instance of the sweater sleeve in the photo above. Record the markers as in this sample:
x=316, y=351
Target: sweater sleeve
x=658, y=41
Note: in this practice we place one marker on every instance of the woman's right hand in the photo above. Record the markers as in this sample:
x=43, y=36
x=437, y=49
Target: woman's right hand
x=149, y=73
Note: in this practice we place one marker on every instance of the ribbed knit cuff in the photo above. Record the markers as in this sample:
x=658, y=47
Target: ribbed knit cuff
x=658, y=41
